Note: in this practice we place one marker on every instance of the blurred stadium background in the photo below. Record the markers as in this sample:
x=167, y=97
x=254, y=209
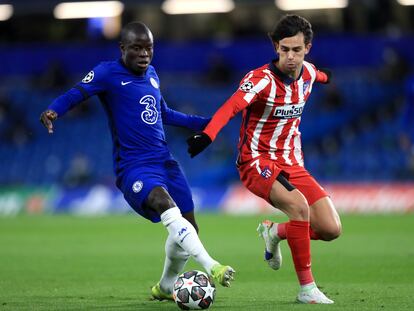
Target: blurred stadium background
x=358, y=132
x=358, y=137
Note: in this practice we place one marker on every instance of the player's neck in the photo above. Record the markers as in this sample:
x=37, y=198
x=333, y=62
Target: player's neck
x=293, y=75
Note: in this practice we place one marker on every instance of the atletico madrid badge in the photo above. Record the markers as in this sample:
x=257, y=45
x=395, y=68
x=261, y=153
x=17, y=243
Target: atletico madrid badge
x=266, y=173
x=306, y=85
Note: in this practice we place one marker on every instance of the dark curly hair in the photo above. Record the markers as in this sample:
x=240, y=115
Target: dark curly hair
x=289, y=26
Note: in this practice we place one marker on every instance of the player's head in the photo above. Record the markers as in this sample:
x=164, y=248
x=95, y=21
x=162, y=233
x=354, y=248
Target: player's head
x=292, y=40
x=136, y=47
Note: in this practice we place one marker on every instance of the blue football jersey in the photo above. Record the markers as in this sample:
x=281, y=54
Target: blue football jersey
x=135, y=108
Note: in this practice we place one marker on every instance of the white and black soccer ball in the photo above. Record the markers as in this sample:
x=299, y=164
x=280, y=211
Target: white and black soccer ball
x=194, y=290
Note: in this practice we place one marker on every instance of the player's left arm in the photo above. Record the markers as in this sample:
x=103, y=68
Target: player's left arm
x=177, y=118
x=249, y=90
x=201, y=140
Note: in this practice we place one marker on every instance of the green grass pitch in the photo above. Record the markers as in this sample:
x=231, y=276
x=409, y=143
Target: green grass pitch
x=109, y=263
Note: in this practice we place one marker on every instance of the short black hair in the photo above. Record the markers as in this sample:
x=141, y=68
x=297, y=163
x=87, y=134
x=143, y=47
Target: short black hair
x=290, y=25
x=134, y=27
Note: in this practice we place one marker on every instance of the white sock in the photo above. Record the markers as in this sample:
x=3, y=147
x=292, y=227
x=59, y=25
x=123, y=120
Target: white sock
x=307, y=287
x=184, y=234
x=175, y=261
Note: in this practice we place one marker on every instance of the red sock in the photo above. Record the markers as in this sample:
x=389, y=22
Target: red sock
x=313, y=235
x=281, y=232
x=299, y=242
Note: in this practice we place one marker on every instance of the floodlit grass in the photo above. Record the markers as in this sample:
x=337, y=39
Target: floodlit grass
x=109, y=263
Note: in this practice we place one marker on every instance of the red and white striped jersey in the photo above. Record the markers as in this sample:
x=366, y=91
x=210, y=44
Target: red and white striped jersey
x=272, y=105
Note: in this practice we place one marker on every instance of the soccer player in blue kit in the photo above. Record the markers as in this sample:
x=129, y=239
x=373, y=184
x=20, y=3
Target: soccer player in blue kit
x=150, y=179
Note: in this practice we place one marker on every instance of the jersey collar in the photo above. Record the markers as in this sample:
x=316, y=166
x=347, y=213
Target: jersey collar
x=121, y=63
x=284, y=77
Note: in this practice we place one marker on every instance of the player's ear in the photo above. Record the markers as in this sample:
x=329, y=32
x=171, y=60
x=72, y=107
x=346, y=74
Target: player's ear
x=121, y=46
x=274, y=43
x=307, y=48
x=275, y=46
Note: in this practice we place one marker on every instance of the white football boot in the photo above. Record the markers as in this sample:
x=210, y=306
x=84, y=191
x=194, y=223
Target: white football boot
x=313, y=296
x=268, y=231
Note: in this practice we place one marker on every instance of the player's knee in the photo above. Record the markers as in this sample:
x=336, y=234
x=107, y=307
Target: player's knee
x=330, y=233
x=159, y=200
x=299, y=209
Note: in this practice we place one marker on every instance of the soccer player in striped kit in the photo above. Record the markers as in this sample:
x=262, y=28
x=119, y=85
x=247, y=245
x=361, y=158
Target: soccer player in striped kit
x=270, y=160
x=151, y=180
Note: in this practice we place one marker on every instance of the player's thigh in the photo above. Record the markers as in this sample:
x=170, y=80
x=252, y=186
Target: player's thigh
x=261, y=176
x=324, y=219
x=288, y=199
x=258, y=176
x=137, y=185
x=306, y=184
x=178, y=187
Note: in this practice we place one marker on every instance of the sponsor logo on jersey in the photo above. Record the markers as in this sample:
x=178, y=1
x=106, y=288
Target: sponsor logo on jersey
x=266, y=172
x=150, y=114
x=289, y=111
x=154, y=83
x=246, y=86
x=89, y=77
x=137, y=186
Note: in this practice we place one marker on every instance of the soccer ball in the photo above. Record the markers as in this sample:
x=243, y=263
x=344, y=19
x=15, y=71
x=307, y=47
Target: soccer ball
x=194, y=290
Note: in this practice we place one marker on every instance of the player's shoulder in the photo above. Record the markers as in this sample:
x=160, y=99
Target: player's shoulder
x=256, y=80
x=104, y=68
x=309, y=68
x=109, y=66
x=152, y=72
x=257, y=74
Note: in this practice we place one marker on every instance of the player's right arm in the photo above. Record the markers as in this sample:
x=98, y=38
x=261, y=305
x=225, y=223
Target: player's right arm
x=92, y=84
x=248, y=91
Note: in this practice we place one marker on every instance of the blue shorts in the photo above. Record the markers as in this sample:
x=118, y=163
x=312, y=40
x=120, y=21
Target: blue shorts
x=138, y=181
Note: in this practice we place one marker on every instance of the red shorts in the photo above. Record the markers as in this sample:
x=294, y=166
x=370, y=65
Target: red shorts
x=259, y=174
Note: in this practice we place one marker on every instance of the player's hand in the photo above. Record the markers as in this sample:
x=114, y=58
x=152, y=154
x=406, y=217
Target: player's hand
x=197, y=143
x=46, y=118
x=328, y=74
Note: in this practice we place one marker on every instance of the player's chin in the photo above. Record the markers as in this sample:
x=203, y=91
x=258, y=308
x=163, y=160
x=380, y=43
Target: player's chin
x=291, y=67
x=141, y=68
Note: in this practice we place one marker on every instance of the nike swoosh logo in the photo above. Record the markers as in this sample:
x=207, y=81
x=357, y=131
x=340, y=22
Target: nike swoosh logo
x=125, y=83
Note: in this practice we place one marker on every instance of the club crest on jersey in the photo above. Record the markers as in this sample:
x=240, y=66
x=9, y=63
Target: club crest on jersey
x=266, y=173
x=89, y=77
x=306, y=85
x=289, y=111
x=246, y=86
x=137, y=186
x=150, y=114
x=154, y=83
